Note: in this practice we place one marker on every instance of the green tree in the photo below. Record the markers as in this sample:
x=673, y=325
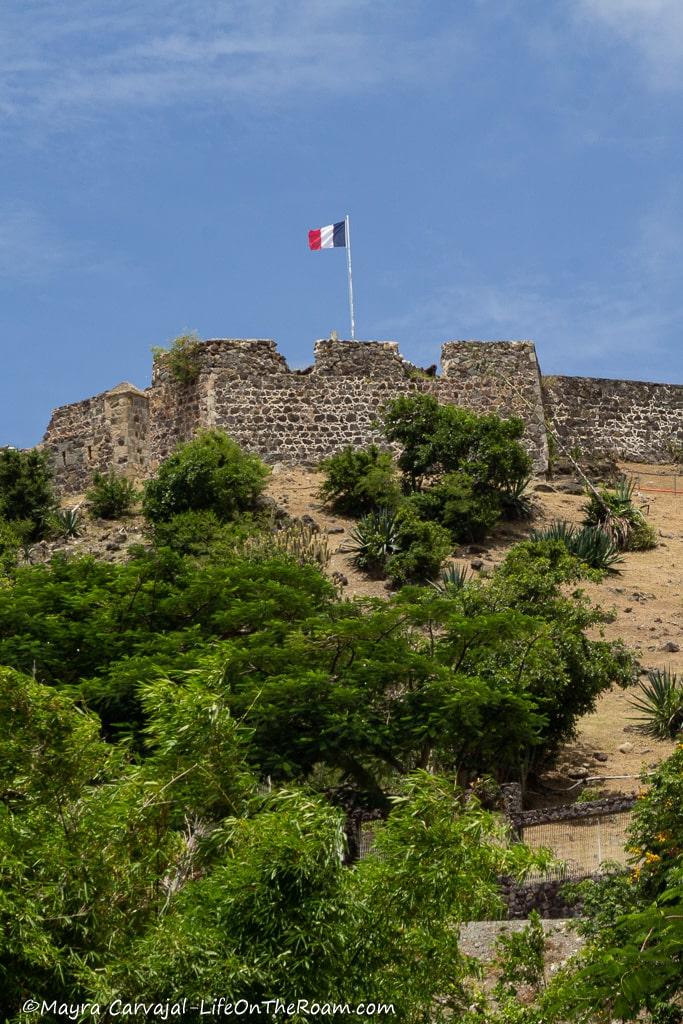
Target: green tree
x=26, y=489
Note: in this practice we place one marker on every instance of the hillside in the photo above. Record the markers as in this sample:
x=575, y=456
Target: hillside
x=646, y=596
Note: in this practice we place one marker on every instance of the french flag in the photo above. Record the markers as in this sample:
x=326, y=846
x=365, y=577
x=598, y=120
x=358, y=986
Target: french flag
x=330, y=237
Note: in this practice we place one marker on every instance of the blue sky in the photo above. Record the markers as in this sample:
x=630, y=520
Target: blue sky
x=512, y=169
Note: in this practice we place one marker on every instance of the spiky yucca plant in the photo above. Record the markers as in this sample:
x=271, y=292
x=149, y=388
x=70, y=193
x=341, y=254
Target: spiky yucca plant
x=591, y=544
x=453, y=578
x=67, y=522
x=374, y=540
x=613, y=511
x=660, y=703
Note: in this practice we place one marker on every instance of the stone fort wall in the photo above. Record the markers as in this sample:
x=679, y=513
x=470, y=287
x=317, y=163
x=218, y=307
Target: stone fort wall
x=300, y=416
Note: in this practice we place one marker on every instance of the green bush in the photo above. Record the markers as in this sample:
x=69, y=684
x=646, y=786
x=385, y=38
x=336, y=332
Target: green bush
x=26, y=489
x=455, y=502
x=360, y=480
x=461, y=470
x=209, y=473
x=10, y=545
x=111, y=495
x=182, y=357
x=423, y=546
x=199, y=533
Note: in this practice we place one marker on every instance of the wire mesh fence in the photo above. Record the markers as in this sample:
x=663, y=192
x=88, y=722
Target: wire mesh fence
x=659, y=483
x=581, y=844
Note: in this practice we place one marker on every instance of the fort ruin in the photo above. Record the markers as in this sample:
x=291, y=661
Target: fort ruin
x=301, y=416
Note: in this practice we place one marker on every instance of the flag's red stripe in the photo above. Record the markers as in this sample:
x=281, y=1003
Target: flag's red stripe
x=314, y=239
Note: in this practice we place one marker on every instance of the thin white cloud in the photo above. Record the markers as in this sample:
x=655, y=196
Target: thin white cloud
x=78, y=59
x=653, y=27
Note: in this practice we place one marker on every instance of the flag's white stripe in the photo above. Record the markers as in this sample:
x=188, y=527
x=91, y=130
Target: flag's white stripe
x=327, y=237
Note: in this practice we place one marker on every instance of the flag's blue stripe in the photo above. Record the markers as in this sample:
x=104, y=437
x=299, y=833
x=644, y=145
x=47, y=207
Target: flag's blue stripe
x=339, y=235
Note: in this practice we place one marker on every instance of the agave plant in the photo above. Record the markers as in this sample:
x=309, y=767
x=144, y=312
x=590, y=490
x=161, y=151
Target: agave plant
x=559, y=530
x=67, y=522
x=660, y=703
x=516, y=502
x=374, y=540
x=453, y=578
x=590, y=544
x=596, y=548
x=614, y=512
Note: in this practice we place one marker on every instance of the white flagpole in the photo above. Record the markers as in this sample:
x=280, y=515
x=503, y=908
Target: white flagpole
x=348, y=264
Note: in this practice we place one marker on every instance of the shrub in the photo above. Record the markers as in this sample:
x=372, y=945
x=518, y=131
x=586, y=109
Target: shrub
x=423, y=546
x=614, y=512
x=455, y=502
x=182, y=357
x=111, y=495
x=10, y=545
x=374, y=540
x=360, y=480
x=209, y=473
x=26, y=489
x=660, y=703
x=198, y=533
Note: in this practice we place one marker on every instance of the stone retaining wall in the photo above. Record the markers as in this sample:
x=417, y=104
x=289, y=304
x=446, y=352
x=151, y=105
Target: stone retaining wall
x=624, y=418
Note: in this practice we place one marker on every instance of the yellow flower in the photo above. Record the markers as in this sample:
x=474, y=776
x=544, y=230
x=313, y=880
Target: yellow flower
x=652, y=858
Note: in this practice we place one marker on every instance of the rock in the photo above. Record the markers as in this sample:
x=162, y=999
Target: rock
x=625, y=748
x=544, y=488
x=599, y=755
x=671, y=646
x=629, y=609
x=477, y=564
x=578, y=773
x=310, y=522
x=340, y=579
x=477, y=549
x=334, y=529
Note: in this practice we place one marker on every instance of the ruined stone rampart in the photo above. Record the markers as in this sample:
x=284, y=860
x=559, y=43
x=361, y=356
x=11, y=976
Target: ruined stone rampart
x=107, y=431
x=625, y=418
x=301, y=416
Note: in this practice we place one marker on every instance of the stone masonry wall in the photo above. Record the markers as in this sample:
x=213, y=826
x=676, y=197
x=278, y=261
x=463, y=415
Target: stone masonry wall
x=108, y=431
x=301, y=416
x=624, y=418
